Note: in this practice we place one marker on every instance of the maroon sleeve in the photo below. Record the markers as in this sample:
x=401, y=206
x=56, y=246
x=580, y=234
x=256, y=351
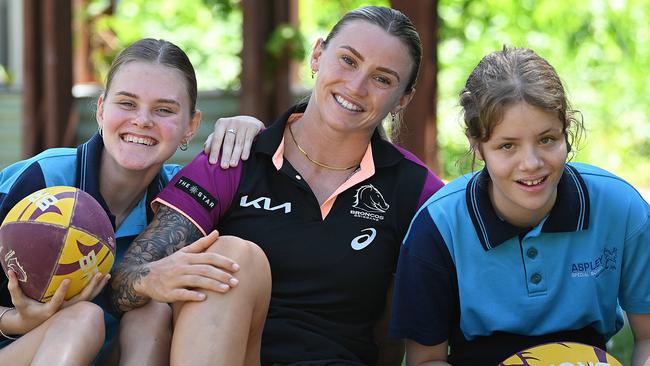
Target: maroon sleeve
x=202, y=192
x=432, y=183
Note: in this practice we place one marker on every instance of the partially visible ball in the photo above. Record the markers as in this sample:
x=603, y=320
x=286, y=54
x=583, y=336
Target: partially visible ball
x=561, y=354
x=56, y=233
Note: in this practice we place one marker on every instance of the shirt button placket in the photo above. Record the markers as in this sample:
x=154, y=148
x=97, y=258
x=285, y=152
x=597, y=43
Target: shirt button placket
x=534, y=263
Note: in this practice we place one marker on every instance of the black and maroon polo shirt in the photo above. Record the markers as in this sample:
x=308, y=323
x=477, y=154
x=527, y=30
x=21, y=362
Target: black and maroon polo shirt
x=331, y=263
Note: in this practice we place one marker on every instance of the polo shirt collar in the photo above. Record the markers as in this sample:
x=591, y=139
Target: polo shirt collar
x=383, y=152
x=570, y=212
x=89, y=157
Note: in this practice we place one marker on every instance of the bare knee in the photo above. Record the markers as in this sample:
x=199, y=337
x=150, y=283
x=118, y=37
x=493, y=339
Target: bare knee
x=83, y=319
x=248, y=255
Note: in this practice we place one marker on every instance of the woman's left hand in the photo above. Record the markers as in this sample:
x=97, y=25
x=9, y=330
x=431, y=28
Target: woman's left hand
x=234, y=136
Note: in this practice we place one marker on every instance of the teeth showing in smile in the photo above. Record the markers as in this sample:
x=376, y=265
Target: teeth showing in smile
x=347, y=105
x=139, y=140
x=532, y=182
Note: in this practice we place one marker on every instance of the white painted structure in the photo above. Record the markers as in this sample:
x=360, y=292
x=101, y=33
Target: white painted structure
x=11, y=40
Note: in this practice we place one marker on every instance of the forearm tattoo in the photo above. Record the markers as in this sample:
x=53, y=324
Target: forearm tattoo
x=168, y=232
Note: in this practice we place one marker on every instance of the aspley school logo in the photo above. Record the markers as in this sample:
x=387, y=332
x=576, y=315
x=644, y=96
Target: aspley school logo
x=369, y=203
x=598, y=265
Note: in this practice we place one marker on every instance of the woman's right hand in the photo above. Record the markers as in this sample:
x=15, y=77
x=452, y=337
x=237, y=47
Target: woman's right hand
x=234, y=137
x=182, y=275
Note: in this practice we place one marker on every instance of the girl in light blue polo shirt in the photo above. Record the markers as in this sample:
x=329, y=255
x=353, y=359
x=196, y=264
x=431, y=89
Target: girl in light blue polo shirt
x=146, y=113
x=531, y=249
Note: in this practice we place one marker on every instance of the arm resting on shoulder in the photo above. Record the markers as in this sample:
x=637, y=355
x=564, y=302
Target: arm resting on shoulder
x=640, y=324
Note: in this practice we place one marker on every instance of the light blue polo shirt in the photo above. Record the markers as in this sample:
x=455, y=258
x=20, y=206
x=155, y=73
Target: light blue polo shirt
x=466, y=276
x=77, y=167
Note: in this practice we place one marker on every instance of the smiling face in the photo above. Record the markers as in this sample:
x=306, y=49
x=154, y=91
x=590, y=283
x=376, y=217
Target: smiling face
x=144, y=116
x=362, y=75
x=525, y=157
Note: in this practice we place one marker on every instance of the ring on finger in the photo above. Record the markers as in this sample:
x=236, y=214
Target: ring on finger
x=231, y=130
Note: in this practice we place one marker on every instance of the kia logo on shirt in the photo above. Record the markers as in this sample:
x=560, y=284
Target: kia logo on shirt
x=265, y=204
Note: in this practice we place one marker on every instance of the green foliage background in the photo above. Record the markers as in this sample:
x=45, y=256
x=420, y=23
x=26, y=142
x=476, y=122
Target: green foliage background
x=208, y=30
x=600, y=48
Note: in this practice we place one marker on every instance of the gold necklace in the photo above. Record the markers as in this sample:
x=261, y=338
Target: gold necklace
x=322, y=165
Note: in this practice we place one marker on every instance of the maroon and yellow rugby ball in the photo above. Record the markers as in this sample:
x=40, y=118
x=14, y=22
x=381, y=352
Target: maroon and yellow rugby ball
x=561, y=354
x=53, y=234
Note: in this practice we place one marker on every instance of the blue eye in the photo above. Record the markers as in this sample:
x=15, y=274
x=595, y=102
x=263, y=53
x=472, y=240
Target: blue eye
x=547, y=140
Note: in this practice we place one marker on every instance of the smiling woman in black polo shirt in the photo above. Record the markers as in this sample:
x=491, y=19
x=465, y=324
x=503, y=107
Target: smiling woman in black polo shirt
x=325, y=197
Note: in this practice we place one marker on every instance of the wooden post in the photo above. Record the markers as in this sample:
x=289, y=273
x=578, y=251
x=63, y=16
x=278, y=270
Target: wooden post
x=47, y=74
x=32, y=122
x=420, y=133
x=265, y=92
x=83, y=66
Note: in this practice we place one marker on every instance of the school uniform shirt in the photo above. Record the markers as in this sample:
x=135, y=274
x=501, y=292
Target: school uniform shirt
x=76, y=167
x=332, y=263
x=492, y=289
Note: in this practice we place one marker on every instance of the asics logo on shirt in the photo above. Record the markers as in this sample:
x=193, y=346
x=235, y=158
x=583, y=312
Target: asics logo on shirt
x=364, y=240
x=265, y=204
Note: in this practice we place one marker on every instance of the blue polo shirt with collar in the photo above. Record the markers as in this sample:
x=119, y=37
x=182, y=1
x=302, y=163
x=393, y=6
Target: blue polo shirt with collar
x=491, y=289
x=77, y=167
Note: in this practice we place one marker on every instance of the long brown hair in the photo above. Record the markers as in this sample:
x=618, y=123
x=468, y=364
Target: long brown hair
x=510, y=76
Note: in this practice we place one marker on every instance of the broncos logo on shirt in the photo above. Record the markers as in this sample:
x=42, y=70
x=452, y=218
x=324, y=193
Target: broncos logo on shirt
x=369, y=199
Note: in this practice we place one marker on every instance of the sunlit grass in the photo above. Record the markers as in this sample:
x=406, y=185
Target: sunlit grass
x=620, y=346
